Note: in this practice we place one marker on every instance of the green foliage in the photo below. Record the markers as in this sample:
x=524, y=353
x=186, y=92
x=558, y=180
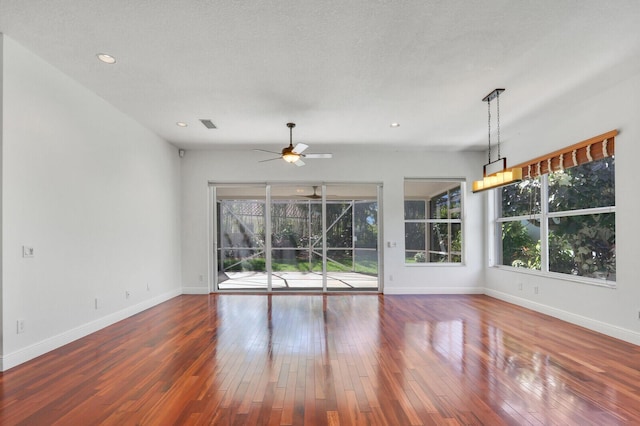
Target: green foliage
x=252, y=264
x=586, y=186
x=585, y=244
x=366, y=223
x=456, y=243
x=519, y=248
x=420, y=257
x=578, y=244
x=522, y=198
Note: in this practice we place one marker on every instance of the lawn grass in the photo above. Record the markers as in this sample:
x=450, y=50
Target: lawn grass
x=258, y=264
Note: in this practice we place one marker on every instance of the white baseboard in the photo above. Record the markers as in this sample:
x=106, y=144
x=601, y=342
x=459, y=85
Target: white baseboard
x=195, y=290
x=35, y=350
x=599, y=326
x=433, y=290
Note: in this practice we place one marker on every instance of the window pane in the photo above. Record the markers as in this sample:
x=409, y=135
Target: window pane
x=415, y=242
x=587, y=186
x=520, y=198
x=439, y=238
x=455, y=204
x=445, y=242
x=414, y=209
x=439, y=207
x=339, y=225
x=339, y=260
x=365, y=219
x=289, y=224
x=521, y=243
x=583, y=245
x=414, y=236
x=456, y=239
x=438, y=257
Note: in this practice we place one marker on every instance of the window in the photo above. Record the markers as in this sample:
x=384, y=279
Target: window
x=561, y=222
x=433, y=221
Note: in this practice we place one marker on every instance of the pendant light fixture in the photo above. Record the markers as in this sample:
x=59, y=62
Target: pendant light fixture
x=504, y=176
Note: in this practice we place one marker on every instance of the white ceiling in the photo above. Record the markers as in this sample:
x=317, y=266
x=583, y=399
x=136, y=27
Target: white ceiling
x=342, y=70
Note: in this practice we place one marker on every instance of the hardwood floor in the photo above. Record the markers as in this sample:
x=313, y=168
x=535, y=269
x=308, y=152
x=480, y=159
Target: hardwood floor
x=330, y=360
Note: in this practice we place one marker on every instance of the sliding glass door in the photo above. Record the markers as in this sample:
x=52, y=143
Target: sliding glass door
x=240, y=226
x=296, y=237
x=296, y=242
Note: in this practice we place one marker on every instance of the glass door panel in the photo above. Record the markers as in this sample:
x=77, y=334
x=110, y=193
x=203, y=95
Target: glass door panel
x=296, y=236
x=240, y=238
x=366, y=237
x=352, y=237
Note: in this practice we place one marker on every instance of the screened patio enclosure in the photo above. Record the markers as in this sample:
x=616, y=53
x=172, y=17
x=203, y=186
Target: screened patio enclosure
x=279, y=237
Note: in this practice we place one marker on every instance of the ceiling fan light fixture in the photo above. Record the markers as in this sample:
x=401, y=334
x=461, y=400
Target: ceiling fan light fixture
x=290, y=157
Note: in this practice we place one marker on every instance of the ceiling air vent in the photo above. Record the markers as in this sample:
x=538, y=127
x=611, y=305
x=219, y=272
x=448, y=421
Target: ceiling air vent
x=208, y=123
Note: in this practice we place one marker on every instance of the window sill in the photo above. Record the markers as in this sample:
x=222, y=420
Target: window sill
x=562, y=277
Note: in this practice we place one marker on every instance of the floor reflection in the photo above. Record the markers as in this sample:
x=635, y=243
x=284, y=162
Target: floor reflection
x=331, y=359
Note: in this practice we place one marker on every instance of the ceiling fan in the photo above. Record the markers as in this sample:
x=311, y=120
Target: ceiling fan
x=294, y=154
x=315, y=195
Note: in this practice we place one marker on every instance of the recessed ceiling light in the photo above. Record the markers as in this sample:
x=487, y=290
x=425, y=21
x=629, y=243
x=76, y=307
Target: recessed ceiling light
x=181, y=124
x=107, y=59
x=395, y=124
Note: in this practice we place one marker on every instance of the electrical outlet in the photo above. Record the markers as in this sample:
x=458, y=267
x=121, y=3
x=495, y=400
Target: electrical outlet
x=96, y=303
x=20, y=326
x=201, y=278
x=127, y=294
x=520, y=285
x=536, y=290
x=390, y=277
x=148, y=287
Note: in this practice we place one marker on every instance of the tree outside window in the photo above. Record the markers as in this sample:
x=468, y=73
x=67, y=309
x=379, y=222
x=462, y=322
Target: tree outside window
x=571, y=232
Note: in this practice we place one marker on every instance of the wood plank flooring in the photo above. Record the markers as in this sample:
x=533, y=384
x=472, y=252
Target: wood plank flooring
x=340, y=359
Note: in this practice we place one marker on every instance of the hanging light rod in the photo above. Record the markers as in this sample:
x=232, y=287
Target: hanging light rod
x=491, y=96
x=504, y=176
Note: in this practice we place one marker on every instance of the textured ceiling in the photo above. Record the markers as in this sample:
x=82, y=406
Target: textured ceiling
x=342, y=70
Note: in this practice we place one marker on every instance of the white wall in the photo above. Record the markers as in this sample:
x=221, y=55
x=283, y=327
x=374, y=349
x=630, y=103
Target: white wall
x=388, y=168
x=95, y=194
x=1, y=186
x=611, y=311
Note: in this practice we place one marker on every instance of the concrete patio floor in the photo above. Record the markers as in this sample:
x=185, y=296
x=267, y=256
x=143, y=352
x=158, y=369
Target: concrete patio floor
x=297, y=281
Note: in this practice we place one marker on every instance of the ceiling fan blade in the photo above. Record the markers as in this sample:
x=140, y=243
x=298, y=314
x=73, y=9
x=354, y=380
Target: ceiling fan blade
x=299, y=163
x=264, y=150
x=270, y=159
x=318, y=155
x=299, y=148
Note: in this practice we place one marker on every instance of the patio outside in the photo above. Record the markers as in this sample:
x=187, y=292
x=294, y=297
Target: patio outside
x=296, y=244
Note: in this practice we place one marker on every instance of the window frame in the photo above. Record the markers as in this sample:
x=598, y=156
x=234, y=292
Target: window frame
x=543, y=217
x=427, y=221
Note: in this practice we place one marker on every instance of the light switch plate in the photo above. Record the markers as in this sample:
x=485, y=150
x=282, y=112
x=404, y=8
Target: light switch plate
x=27, y=251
